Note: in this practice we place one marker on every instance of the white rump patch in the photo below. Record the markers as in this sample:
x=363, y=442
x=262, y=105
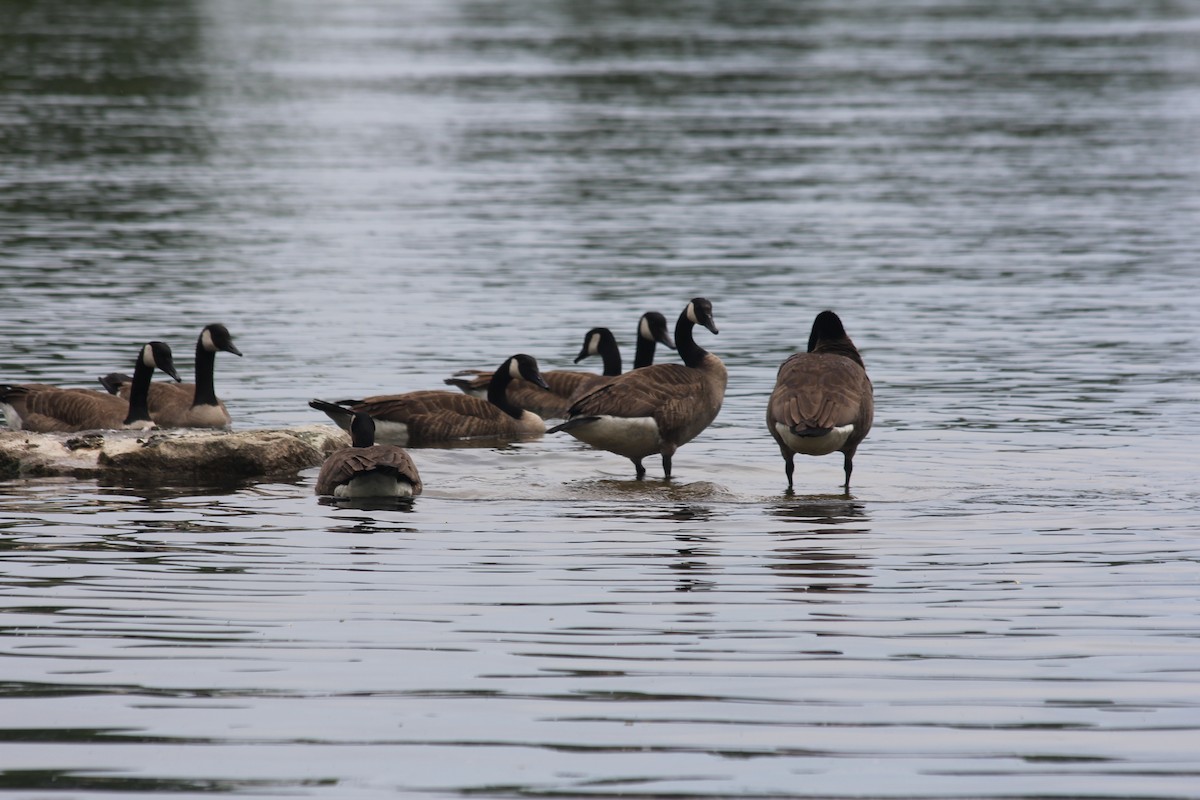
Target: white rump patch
x=815, y=445
x=632, y=437
x=374, y=484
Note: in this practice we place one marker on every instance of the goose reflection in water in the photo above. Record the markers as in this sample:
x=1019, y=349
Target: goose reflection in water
x=806, y=555
x=691, y=562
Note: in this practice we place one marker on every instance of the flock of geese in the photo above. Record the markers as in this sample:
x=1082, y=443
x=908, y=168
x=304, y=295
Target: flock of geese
x=822, y=403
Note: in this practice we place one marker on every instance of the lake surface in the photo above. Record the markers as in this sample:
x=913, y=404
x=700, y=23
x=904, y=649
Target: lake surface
x=1002, y=202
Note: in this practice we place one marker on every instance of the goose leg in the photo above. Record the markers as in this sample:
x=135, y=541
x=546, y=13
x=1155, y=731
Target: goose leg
x=637, y=464
x=848, y=465
x=789, y=466
x=667, y=452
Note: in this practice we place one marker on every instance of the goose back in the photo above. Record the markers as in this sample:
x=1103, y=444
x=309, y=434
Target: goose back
x=49, y=409
x=431, y=416
x=366, y=469
x=823, y=401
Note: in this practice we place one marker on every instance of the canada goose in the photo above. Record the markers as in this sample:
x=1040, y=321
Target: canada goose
x=823, y=400
x=428, y=417
x=566, y=385
x=187, y=405
x=658, y=408
x=44, y=409
x=366, y=469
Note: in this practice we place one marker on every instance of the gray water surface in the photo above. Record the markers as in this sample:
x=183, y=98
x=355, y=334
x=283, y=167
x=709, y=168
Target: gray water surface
x=1002, y=201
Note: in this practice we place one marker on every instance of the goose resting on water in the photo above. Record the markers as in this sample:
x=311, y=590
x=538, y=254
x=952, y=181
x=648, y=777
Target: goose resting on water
x=366, y=469
x=186, y=405
x=46, y=409
x=429, y=417
x=567, y=385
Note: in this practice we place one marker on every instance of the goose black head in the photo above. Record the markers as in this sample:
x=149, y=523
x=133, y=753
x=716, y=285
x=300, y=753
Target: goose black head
x=699, y=311
x=826, y=327
x=523, y=366
x=362, y=429
x=157, y=355
x=216, y=337
x=653, y=327
x=592, y=342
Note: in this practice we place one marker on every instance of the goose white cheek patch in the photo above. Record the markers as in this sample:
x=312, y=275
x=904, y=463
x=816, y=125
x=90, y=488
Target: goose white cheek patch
x=593, y=344
x=206, y=341
x=644, y=328
x=148, y=357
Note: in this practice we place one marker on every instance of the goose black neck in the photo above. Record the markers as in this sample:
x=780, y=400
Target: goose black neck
x=840, y=347
x=611, y=355
x=691, y=353
x=498, y=391
x=139, y=393
x=206, y=393
x=644, y=356
x=362, y=434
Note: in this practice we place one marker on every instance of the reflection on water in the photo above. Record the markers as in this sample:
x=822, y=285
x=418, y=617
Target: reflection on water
x=825, y=511
x=1002, y=199
x=802, y=555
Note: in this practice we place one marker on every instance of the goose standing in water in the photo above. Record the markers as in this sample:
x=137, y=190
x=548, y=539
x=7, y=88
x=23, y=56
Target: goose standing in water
x=366, y=469
x=658, y=408
x=187, y=405
x=566, y=385
x=430, y=417
x=45, y=409
x=823, y=400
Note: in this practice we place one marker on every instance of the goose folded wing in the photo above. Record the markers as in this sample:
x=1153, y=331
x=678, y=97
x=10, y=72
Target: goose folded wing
x=644, y=393
x=70, y=409
x=402, y=407
x=824, y=393
x=360, y=460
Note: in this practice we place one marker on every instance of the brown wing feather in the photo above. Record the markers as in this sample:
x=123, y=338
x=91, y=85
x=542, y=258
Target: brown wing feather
x=643, y=393
x=171, y=406
x=434, y=416
x=567, y=383
x=403, y=407
x=819, y=390
x=524, y=394
x=48, y=409
x=162, y=393
x=471, y=380
x=554, y=402
x=343, y=465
